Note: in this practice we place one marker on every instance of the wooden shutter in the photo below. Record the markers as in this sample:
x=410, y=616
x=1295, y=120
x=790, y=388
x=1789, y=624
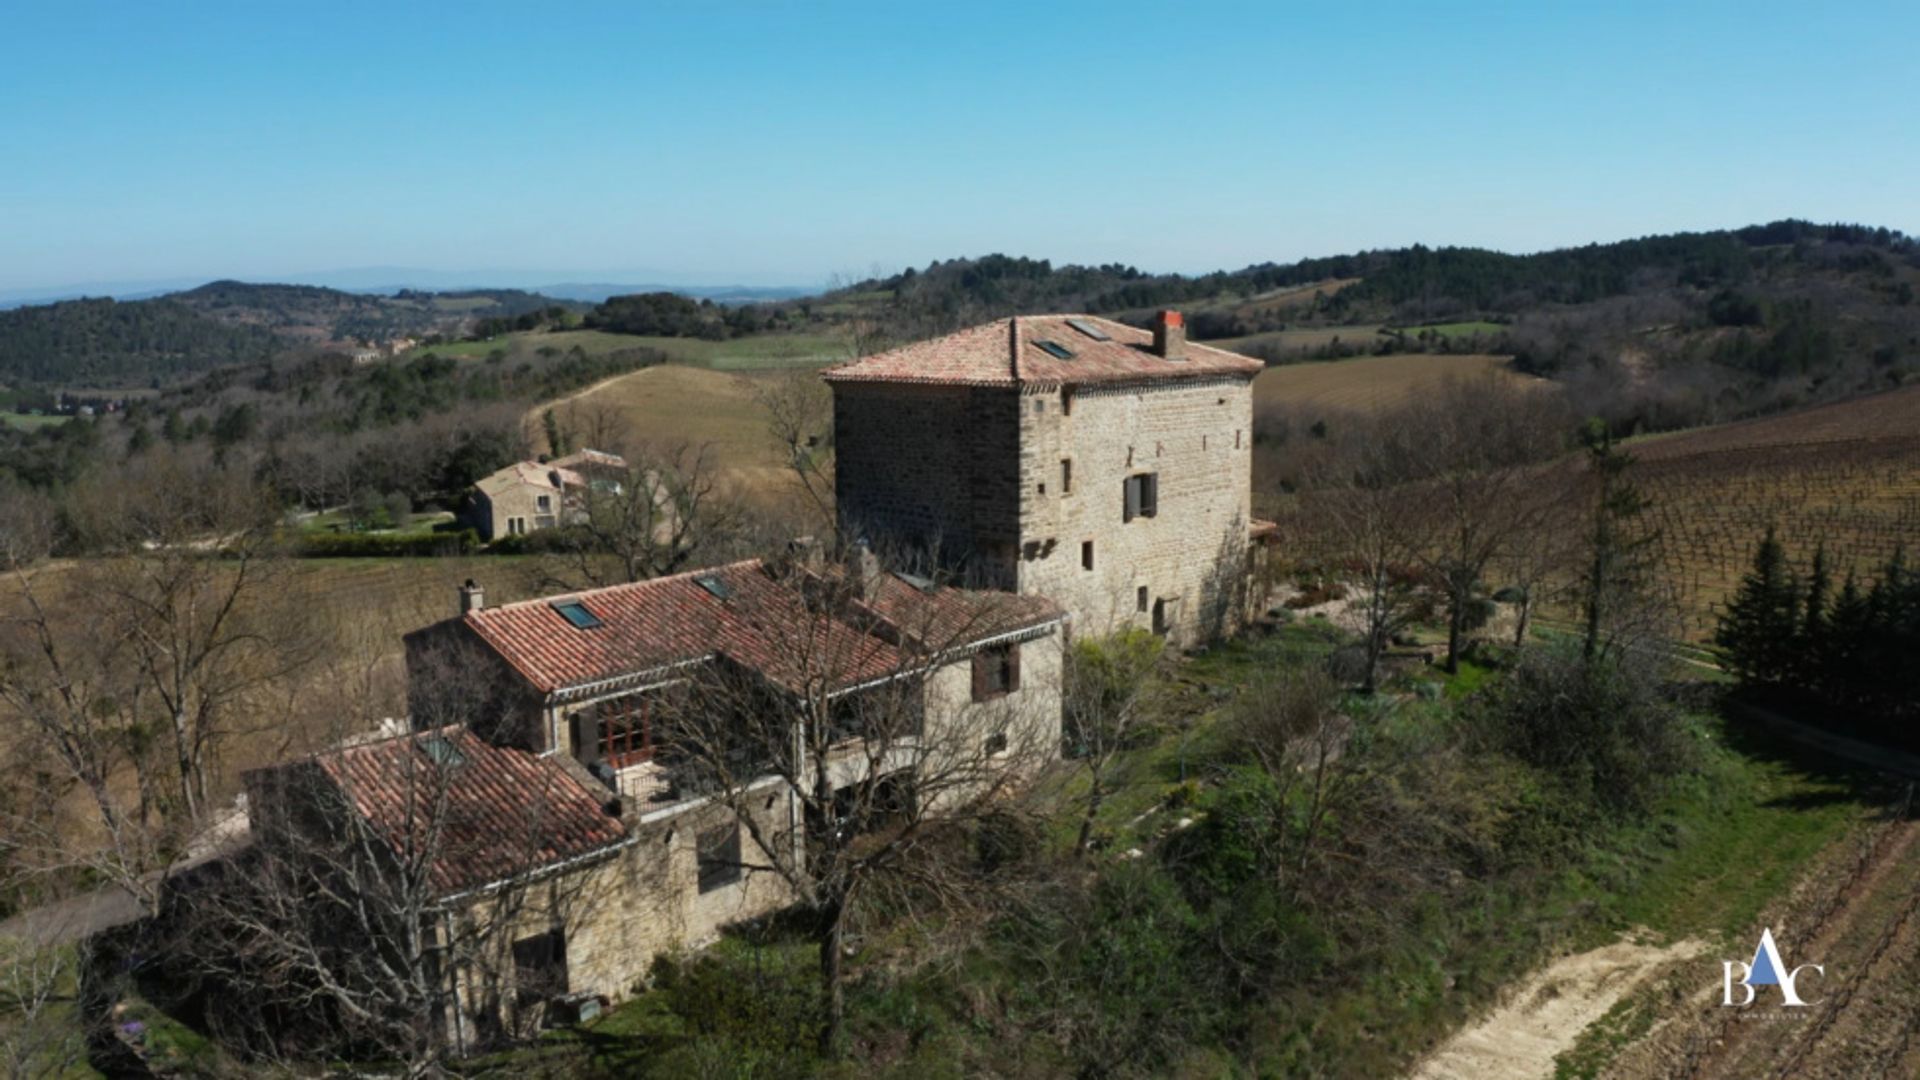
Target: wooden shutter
x=979, y=676
x=1013, y=668
x=586, y=735
x=1132, y=508
x=1149, y=494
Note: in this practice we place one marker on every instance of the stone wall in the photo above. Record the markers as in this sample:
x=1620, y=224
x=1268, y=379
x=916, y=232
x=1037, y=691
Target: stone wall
x=929, y=471
x=1191, y=555
x=977, y=474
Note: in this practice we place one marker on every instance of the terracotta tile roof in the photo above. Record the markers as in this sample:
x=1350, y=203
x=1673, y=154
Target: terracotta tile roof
x=532, y=474
x=589, y=458
x=764, y=622
x=500, y=812
x=1006, y=353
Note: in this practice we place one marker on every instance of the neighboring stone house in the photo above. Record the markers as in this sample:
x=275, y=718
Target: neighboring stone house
x=1102, y=466
x=575, y=830
x=531, y=495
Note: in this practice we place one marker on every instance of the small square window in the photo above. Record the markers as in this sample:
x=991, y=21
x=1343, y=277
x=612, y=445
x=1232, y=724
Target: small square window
x=544, y=503
x=1086, y=554
x=996, y=672
x=1039, y=406
x=1043, y=488
x=997, y=743
x=719, y=855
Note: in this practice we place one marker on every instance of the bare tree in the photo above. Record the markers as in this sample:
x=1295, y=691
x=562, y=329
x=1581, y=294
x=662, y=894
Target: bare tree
x=187, y=584
x=647, y=517
x=377, y=912
x=799, y=411
x=880, y=763
x=39, y=1033
x=1289, y=721
x=1359, y=516
x=1477, y=481
x=1108, y=695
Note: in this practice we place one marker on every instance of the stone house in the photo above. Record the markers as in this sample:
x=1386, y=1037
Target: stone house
x=576, y=835
x=531, y=495
x=1067, y=456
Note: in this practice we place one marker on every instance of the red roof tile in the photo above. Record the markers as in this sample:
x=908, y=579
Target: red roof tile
x=499, y=812
x=764, y=623
x=1005, y=353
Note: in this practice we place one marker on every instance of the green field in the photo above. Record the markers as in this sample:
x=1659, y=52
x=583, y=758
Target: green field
x=26, y=422
x=1453, y=329
x=738, y=354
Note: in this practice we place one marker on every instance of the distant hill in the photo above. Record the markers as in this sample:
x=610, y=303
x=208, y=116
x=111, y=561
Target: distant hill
x=100, y=341
x=1657, y=332
x=105, y=342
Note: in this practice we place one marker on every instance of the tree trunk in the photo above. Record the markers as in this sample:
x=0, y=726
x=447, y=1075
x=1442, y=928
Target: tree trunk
x=1455, y=615
x=1095, y=795
x=833, y=1005
x=185, y=756
x=1520, y=621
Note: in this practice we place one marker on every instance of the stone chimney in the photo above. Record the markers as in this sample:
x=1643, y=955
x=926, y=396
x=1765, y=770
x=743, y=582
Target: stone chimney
x=804, y=552
x=472, y=597
x=863, y=570
x=1170, y=336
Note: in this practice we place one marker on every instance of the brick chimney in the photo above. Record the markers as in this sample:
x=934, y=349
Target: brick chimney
x=1170, y=335
x=472, y=597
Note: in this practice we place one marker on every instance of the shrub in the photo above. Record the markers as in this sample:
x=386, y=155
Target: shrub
x=382, y=546
x=1604, y=727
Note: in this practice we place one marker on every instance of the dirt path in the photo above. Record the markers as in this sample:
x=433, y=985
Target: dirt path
x=1520, y=1039
x=1856, y=913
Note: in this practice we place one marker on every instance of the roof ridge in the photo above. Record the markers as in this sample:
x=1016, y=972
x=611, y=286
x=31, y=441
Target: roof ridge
x=634, y=586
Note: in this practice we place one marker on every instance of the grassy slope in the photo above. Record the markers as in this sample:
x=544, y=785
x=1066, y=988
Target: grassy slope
x=1723, y=842
x=758, y=351
x=28, y=422
x=1367, y=382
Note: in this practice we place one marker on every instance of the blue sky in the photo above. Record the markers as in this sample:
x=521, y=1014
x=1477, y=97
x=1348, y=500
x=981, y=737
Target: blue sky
x=783, y=143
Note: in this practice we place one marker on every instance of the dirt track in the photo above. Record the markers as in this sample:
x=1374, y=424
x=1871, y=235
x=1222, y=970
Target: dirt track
x=1855, y=913
x=1856, y=910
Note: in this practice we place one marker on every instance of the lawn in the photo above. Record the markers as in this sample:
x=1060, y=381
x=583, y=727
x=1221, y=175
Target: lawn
x=30, y=422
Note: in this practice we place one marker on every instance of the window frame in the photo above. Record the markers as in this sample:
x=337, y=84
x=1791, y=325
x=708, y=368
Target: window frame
x=619, y=747
x=996, y=672
x=716, y=857
x=1140, y=496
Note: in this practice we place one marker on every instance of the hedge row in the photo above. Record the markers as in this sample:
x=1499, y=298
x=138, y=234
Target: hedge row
x=386, y=545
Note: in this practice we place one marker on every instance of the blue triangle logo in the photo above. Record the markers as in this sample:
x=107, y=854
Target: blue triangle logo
x=1763, y=973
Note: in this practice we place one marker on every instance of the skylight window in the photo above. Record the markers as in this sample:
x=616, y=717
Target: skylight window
x=1055, y=349
x=713, y=584
x=1089, y=329
x=442, y=752
x=924, y=584
x=576, y=613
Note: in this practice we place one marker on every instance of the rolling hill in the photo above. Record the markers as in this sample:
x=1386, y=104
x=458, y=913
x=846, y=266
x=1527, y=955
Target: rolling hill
x=102, y=342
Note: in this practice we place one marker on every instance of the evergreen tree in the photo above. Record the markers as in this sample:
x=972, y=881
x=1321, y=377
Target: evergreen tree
x=1619, y=545
x=1761, y=625
x=1810, y=660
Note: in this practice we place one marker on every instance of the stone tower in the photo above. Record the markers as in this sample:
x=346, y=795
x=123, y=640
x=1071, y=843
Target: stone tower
x=1073, y=457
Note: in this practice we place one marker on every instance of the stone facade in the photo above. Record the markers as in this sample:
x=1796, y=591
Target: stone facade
x=1187, y=560
x=931, y=467
x=1023, y=483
